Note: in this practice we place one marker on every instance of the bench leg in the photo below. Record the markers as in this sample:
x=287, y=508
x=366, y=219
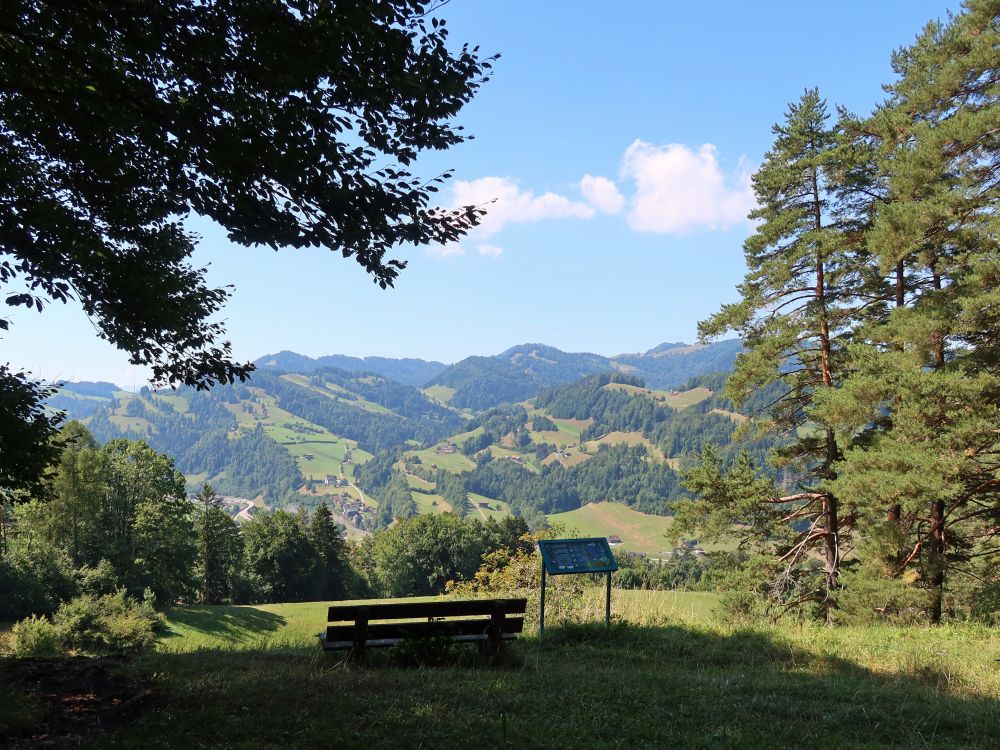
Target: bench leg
x=357, y=652
x=495, y=630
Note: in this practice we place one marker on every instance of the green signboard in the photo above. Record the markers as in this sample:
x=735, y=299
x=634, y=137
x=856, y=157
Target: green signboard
x=562, y=556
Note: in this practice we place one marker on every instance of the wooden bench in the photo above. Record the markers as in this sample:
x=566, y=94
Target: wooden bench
x=486, y=622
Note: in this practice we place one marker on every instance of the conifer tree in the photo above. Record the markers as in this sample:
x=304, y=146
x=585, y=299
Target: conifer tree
x=220, y=547
x=329, y=541
x=798, y=299
x=925, y=386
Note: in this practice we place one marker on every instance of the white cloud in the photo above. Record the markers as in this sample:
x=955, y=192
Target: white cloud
x=679, y=189
x=445, y=251
x=602, y=193
x=506, y=203
x=490, y=250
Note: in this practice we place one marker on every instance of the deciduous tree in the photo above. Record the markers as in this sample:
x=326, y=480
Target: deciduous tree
x=290, y=124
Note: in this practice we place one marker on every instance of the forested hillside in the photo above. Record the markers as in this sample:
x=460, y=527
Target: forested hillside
x=521, y=371
x=408, y=371
x=601, y=438
x=275, y=436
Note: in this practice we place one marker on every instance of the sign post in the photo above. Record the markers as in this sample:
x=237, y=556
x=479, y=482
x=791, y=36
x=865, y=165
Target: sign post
x=564, y=556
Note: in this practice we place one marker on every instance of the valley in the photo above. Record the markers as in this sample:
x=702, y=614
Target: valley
x=596, y=449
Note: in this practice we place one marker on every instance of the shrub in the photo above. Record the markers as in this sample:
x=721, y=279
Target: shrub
x=113, y=622
x=98, y=580
x=35, y=636
x=870, y=595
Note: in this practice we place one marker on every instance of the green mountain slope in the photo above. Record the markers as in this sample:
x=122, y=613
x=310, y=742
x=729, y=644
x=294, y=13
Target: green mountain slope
x=603, y=438
x=522, y=371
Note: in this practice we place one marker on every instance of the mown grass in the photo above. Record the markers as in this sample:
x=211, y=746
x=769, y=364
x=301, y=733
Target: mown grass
x=440, y=393
x=668, y=673
x=625, y=438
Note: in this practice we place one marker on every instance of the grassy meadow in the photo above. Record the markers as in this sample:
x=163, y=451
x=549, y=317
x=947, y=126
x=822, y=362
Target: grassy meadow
x=670, y=672
x=640, y=532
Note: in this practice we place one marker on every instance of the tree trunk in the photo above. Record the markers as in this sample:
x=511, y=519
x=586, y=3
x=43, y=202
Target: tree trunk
x=831, y=520
x=936, y=561
x=936, y=549
x=895, y=511
x=831, y=545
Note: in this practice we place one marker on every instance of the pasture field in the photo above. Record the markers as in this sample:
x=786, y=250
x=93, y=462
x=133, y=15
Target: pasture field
x=568, y=432
x=179, y=403
x=439, y=392
x=419, y=483
x=640, y=532
x=269, y=626
x=669, y=673
x=136, y=426
x=492, y=511
x=338, y=393
x=685, y=399
x=454, y=462
x=528, y=460
x=327, y=451
x=300, y=438
x=735, y=416
x=625, y=438
x=426, y=503
x=680, y=400
x=573, y=459
x=572, y=427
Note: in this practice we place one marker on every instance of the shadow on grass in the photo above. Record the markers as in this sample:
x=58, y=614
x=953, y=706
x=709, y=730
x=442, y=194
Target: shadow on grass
x=627, y=686
x=231, y=623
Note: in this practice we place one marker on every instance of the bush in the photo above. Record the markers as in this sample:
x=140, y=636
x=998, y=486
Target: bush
x=99, y=580
x=35, y=636
x=113, y=622
x=870, y=595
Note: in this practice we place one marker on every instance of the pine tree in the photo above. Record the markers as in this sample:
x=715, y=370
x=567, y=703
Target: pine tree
x=926, y=386
x=798, y=299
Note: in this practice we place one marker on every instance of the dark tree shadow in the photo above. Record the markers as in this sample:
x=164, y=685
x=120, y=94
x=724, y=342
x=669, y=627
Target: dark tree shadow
x=227, y=622
x=583, y=686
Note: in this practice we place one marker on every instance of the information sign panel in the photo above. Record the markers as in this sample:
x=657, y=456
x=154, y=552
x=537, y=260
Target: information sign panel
x=561, y=556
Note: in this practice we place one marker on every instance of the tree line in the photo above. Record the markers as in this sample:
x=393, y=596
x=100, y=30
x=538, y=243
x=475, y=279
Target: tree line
x=115, y=517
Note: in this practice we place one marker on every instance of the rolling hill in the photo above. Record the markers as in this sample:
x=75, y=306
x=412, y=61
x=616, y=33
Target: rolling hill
x=389, y=449
x=412, y=372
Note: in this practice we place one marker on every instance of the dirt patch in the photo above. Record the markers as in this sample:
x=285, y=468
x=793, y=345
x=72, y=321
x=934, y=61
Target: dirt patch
x=73, y=698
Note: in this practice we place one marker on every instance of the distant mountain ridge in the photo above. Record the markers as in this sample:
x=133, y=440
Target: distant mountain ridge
x=479, y=382
x=408, y=371
x=294, y=438
x=521, y=371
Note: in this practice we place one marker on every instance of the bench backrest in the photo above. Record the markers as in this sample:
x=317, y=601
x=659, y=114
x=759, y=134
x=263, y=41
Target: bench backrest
x=408, y=609
x=421, y=620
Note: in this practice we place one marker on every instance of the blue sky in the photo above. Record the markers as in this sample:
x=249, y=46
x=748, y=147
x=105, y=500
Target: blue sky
x=618, y=138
